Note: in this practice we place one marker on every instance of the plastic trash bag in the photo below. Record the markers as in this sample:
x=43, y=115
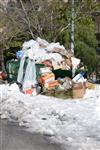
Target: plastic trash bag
x=19, y=54
x=75, y=64
x=52, y=46
x=21, y=71
x=56, y=57
x=29, y=44
x=42, y=42
x=30, y=75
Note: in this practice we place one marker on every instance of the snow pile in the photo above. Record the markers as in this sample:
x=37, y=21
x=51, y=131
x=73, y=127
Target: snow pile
x=98, y=102
x=73, y=122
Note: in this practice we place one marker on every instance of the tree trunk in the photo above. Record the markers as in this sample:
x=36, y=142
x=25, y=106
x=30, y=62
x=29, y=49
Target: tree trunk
x=2, y=65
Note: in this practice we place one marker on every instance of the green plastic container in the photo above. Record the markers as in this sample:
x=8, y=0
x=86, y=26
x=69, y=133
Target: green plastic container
x=12, y=67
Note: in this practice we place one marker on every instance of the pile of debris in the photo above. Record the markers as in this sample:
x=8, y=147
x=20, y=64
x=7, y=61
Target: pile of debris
x=49, y=66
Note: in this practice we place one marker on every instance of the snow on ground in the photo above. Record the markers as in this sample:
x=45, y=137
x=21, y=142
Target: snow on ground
x=75, y=123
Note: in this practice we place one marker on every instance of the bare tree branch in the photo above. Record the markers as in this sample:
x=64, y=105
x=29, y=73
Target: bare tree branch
x=28, y=20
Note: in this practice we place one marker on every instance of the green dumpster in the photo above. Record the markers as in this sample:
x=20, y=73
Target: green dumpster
x=12, y=67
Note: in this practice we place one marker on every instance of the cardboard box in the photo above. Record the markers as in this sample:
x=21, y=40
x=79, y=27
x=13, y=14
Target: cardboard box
x=45, y=70
x=51, y=85
x=49, y=77
x=69, y=54
x=47, y=63
x=78, y=90
x=69, y=62
x=90, y=85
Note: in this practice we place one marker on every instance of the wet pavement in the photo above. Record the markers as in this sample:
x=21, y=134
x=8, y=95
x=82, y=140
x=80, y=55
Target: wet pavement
x=13, y=137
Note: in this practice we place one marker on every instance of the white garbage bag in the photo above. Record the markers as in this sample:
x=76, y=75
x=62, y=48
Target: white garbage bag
x=75, y=64
x=21, y=71
x=56, y=57
x=29, y=44
x=42, y=42
x=30, y=75
x=53, y=46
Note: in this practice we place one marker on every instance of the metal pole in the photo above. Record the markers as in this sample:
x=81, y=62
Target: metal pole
x=72, y=26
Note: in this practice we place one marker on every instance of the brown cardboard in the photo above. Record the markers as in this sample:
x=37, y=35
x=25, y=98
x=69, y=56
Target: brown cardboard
x=78, y=90
x=69, y=62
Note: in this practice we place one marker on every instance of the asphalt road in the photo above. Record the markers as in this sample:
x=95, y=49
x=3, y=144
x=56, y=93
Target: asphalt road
x=13, y=137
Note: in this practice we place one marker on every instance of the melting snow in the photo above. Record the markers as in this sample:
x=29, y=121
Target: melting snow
x=75, y=123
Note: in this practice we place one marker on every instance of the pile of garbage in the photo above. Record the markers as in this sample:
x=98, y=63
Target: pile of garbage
x=49, y=66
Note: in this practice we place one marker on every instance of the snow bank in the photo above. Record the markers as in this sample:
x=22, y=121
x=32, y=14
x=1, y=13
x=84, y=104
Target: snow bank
x=73, y=122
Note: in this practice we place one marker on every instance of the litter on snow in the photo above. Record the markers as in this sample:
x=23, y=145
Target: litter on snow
x=43, y=67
